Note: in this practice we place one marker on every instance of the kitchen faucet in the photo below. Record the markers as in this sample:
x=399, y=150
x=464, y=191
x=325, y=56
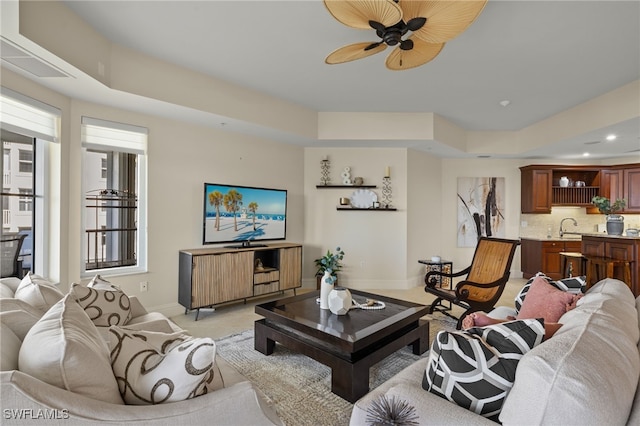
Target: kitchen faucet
x=562, y=231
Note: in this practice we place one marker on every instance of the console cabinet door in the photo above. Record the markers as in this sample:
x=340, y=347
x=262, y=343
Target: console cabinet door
x=222, y=277
x=290, y=268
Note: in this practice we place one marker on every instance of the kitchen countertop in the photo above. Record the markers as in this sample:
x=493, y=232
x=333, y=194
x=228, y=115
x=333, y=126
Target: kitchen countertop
x=579, y=237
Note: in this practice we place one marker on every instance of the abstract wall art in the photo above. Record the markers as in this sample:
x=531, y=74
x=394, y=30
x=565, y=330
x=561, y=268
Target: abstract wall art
x=480, y=209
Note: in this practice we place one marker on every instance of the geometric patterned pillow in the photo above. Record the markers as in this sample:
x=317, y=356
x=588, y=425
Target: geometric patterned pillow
x=476, y=368
x=104, y=307
x=519, y=300
x=575, y=285
x=155, y=368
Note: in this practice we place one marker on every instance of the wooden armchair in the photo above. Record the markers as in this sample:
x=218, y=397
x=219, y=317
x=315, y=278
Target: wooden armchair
x=485, y=281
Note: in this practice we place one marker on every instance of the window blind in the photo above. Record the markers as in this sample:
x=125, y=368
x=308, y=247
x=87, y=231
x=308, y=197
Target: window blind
x=99, y=134
x=29, y=117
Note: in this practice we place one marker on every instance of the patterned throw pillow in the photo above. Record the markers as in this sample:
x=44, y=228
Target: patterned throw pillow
x=476, y=368
x=519, y=300
x=104, y=307
x=100, y=283
x=155, y=368
x=38, y=292
x=576, y=285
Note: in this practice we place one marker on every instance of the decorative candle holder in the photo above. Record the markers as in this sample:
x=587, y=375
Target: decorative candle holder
x=324, y=172
x=386, y=192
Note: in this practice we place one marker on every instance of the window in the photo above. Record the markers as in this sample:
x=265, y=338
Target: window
x=25, y=162
x=29, y=129
x=114, y=196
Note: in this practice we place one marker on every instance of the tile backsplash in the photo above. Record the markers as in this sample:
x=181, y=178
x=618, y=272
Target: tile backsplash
x=535, y=225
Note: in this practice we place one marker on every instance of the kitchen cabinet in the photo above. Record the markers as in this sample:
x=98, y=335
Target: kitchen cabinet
x=616, y=247
x=539, y=255
x=535, y=190
x=631, y=189
x=541, y=190
x=540, y=187
x=622, y=182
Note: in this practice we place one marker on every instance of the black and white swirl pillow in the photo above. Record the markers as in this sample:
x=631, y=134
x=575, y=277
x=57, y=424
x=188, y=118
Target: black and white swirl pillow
x=104, y=307
x=156, y=368
x=476, y=368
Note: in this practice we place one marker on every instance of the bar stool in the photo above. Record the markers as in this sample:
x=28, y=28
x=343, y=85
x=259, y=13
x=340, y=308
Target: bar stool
x=598, y=264
x=570, y=256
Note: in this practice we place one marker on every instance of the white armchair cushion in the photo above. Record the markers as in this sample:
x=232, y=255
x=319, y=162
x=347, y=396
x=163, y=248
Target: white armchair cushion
x=5, y=291
x=38, y=292
x=154, y=368
x=104, y=307
x=64, y=349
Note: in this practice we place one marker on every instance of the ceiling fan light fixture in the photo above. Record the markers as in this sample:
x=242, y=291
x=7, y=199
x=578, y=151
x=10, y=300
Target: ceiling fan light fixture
x=431, y=22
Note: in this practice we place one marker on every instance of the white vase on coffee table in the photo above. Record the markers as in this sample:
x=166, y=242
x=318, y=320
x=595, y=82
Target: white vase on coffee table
x=340, y=301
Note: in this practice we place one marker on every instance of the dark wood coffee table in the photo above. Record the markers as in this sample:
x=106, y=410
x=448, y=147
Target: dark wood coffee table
x=348, y=344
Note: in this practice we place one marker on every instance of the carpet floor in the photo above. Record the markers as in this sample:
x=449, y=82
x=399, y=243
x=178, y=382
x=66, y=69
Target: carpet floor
x=299, y=387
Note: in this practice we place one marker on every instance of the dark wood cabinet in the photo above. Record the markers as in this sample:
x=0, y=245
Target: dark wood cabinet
x=621, y=248
x=544, y=256
x=535, y=190
x=540, y=186
x=631, y=189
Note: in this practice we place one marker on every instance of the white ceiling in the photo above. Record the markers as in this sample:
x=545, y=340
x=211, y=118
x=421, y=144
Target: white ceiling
x=542, y=56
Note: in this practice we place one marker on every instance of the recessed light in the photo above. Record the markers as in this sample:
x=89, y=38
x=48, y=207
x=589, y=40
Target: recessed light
x=585, y=154
x=611, y=137
x=505, y=103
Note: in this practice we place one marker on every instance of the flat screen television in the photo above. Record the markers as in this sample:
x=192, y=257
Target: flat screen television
x=243, y=214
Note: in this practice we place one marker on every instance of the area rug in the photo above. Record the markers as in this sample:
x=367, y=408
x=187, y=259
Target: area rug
x=299, y=387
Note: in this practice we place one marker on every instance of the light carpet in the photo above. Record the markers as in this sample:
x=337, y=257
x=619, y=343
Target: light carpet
x=299, y=387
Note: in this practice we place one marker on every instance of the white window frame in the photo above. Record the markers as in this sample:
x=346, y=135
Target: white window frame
x=115, y=136
x=29, y=117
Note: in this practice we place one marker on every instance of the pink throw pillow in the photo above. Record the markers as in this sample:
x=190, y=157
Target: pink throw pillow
x=545, y=301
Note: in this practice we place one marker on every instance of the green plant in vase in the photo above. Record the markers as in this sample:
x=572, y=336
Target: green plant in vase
x=330, y=263
x=615, y=221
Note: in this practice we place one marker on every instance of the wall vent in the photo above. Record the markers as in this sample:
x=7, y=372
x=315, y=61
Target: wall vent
x=27, y=61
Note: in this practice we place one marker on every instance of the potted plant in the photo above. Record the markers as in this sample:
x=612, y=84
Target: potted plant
x=615, y=221
x=330, y=262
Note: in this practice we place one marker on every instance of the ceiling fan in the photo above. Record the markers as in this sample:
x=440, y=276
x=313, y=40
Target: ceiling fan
x=429, y=24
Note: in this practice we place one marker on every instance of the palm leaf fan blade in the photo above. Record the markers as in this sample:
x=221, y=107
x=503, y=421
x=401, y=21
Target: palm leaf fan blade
x=358, y=13
x=421, y=53
x=353, y=52
x=445, y=19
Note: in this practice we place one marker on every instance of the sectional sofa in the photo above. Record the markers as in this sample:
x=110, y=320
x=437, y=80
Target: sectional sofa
x=61, y=354
x=586, y=374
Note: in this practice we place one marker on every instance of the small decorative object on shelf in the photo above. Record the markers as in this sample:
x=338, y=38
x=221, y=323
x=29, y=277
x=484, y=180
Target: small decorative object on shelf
x=615, y=221
x=324, y=171
x=339, y=301
x=386, y=192
x=346, y=176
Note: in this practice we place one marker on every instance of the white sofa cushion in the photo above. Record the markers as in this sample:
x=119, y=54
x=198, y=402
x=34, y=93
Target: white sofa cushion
x=154, y=368
x=9, y=348
x=588, y=371
x=64, y=349
x=38, y=292
x=104, y=307
x=5, y=291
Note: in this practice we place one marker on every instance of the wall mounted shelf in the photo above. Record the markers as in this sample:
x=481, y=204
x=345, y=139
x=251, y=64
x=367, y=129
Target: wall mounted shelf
x=389, y=209
x=345, y=186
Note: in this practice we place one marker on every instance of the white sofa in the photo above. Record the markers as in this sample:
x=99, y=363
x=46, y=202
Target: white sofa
x=25, y=399
x=586, y=374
